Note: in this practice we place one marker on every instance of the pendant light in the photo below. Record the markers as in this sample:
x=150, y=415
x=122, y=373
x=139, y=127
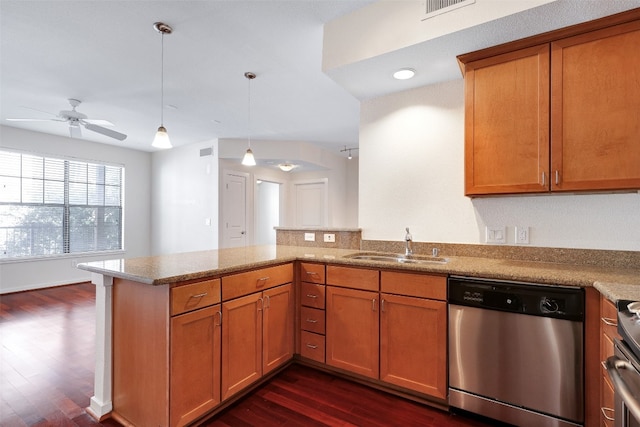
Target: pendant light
x=248, y=159
x=162, y=137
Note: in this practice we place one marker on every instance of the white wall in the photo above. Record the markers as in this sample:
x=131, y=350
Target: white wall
x=38, y=273
x=184, y=195
x=412, y=175
x=342, y=175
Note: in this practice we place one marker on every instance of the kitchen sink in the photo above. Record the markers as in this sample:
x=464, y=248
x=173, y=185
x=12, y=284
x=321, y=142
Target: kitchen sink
x=398, y=258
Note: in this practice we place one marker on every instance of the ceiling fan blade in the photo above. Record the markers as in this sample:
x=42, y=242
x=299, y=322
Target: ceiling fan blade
x=75, y=131
x=99, y=122
x=34, y=120
x=104, y=131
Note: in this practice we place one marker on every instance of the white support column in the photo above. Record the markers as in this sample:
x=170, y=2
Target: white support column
x=101, y=403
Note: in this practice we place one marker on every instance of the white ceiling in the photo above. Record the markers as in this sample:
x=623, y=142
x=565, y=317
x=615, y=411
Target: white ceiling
x=107, y=54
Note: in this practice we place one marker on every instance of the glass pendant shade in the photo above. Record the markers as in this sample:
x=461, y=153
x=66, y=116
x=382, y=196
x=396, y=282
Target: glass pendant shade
x=248, y=159
x=162, y=139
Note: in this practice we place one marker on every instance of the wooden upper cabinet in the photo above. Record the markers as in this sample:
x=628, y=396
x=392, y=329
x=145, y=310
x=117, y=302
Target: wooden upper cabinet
x=595, y=122
x=560, y=115
x=507, y=123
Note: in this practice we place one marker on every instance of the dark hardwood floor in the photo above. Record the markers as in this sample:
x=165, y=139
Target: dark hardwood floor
x=47, y=365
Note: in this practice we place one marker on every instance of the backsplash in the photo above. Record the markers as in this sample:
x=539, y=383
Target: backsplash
x=586, y=257
x=345, y=238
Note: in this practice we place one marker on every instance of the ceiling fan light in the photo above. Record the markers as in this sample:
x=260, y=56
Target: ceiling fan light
x=162, y=139
x=248, y=159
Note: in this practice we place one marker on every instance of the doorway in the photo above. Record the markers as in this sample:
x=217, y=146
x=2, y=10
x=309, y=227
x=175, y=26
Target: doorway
x=267, y=197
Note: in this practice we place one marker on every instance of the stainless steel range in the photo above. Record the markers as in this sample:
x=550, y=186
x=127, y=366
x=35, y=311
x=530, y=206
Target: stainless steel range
x=624, y=366
x=516, y=351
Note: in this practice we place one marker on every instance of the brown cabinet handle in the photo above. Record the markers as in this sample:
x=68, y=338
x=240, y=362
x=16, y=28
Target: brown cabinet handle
x=261, y=281
x=604, y=413
x=312, y=296
x=312, y=346
x=219, y=313
x=312, y=273
x=557, y=177
x=609, y=322
x=312, y=321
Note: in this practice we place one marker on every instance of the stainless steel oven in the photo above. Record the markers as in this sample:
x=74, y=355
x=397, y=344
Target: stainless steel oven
x=624, y=366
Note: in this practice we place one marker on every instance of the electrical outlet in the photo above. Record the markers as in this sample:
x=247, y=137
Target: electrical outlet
x=496, y=234
x=330, y=238
x=522, y=235
x=309, y=237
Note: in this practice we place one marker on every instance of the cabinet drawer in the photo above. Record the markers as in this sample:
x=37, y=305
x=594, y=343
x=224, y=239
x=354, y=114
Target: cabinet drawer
x=609, y=318
x=414, y=285
x=312, y=320
x=240, y=284
x=312, y=346
x=195, y=295
x=356, y=278
x=312, y=295
x=607, y=401
x=310, y=272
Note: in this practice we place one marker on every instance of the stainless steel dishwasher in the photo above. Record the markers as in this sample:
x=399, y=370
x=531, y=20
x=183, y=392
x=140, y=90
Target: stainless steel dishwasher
x=516, y=351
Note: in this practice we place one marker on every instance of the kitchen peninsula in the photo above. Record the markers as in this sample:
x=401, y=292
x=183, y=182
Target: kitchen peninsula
x=143, y=304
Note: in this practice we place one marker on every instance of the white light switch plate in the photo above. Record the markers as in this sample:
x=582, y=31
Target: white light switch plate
x=496, y=234
x=309, y=237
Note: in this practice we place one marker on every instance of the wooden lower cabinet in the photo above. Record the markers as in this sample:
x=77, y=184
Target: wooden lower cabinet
x=166, y=352
x=608, y=332
x=257, y=336
x=397, y=335
x=413, y=344
x=277, y=327
x=352, y=330
x=195, y=364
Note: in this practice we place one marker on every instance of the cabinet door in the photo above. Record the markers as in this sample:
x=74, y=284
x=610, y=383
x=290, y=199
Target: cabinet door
x=595, y=104
x=241, y=343
x=195, y=364
x=413, y=344
x=278, y=326
x=352, y=334
x=507, y=123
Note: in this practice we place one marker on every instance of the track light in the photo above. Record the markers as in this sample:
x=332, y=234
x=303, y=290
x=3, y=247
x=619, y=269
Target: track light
x=348, y=151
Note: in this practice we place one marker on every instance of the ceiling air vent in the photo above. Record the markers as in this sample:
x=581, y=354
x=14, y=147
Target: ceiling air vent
x=438, y=7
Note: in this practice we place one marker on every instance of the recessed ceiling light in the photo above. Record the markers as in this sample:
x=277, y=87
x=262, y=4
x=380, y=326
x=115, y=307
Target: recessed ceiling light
x=404, y=74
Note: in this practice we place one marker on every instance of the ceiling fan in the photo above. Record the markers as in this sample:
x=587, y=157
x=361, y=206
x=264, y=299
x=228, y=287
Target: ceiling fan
x=76, y=119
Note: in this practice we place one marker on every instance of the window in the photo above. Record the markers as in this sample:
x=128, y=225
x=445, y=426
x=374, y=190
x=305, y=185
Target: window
x=51, y=206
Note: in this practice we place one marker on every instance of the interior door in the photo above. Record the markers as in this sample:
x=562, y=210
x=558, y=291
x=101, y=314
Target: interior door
x=234, y=210
x=311, y=204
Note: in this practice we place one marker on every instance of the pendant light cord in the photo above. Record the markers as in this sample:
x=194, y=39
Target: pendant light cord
x=162, y=79
x=249, y=111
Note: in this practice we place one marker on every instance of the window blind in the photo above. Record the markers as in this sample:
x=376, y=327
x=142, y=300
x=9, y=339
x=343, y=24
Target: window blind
x=52, y=206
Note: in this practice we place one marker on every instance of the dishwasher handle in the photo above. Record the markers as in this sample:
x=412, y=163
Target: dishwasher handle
x=614, y=366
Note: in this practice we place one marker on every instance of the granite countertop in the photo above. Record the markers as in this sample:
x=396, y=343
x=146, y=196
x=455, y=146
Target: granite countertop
x=614, y=283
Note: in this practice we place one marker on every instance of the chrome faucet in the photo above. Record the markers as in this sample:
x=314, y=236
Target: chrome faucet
x=408, y=240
